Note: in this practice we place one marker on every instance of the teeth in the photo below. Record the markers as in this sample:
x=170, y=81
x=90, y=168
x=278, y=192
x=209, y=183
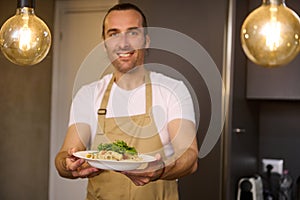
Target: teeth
x=124, y=54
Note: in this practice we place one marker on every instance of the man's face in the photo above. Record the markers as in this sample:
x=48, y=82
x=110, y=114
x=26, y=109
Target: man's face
x=125, y=40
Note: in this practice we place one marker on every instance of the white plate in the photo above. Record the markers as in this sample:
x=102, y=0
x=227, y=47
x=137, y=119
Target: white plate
x=122, y=165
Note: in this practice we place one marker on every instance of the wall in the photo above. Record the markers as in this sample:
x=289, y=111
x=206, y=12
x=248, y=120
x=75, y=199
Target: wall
x=242, y=146
x=25, y=119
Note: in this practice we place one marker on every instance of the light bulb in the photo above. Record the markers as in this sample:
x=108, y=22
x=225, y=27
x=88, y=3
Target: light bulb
x=270, y=34
x=24, y=38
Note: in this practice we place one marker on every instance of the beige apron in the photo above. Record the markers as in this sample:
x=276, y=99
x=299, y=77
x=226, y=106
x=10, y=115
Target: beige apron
x=134, y=130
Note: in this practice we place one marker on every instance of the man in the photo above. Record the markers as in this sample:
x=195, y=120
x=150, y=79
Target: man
x=121, y=106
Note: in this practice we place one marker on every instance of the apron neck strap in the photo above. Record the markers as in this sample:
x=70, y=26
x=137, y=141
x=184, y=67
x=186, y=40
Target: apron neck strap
x=104, y=102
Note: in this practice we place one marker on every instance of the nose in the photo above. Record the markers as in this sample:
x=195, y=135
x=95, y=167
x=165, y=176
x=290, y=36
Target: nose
x=124, y=41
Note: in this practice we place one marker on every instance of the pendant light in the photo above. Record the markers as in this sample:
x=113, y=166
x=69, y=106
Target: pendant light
x=24, y=38
x=270, y=34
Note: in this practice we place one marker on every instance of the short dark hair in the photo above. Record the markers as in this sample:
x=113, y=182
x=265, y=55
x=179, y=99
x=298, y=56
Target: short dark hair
x=126, y=6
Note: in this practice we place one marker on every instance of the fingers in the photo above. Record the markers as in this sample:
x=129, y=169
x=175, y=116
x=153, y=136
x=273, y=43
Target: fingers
x=88, y=172
x=71, y=151
x=153, y=172
x=83, y=170
x=79, y=167
x=72, y=163
x=158, y=157
x=140, y=181
x=157, y=164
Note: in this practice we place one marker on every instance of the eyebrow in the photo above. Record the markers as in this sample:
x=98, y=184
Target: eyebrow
x=111, y=30
x=117, y=30
x=134, y=28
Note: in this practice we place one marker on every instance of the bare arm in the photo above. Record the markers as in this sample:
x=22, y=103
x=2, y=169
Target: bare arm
x=66, y=164
x=185, y=160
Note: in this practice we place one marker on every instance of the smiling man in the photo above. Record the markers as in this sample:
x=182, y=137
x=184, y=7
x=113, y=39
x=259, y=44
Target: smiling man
x=148, y=110
x=125, y=39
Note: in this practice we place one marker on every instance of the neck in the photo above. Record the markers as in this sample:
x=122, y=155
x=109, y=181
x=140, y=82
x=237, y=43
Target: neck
x=132, y=79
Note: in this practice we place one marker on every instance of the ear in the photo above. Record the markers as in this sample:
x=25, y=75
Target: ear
x=104, y=46
x=147, y=41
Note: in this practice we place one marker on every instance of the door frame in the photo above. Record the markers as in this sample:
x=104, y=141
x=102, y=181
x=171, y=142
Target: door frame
x=62, y=6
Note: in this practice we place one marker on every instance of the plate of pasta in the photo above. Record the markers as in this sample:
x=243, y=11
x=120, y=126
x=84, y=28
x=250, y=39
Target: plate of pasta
x=116, y=156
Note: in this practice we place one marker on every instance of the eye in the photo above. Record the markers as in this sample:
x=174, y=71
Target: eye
x=133, y=33
x=114, y=34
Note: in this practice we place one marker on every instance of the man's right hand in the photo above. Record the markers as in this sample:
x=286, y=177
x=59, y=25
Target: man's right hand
x=78, y=167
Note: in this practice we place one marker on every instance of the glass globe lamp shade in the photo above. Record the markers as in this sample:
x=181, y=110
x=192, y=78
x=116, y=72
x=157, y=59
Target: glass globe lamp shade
x=270, y=34
x=24, y=38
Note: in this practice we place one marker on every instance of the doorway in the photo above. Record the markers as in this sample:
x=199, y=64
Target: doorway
x=77, y=30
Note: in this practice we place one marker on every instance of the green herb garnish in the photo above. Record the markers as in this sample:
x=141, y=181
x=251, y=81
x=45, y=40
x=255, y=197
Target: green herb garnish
x=118, y=146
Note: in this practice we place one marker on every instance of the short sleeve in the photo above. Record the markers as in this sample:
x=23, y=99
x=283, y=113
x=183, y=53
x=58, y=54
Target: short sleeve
x=82, y=106
x=180, y=103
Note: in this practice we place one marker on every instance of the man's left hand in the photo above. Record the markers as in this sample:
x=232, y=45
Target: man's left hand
x=152, y=172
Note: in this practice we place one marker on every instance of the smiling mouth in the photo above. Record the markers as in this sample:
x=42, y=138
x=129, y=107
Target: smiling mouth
x=125, y=54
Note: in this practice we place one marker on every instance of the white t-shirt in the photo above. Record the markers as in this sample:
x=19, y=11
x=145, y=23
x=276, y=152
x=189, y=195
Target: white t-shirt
x=170, y=100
